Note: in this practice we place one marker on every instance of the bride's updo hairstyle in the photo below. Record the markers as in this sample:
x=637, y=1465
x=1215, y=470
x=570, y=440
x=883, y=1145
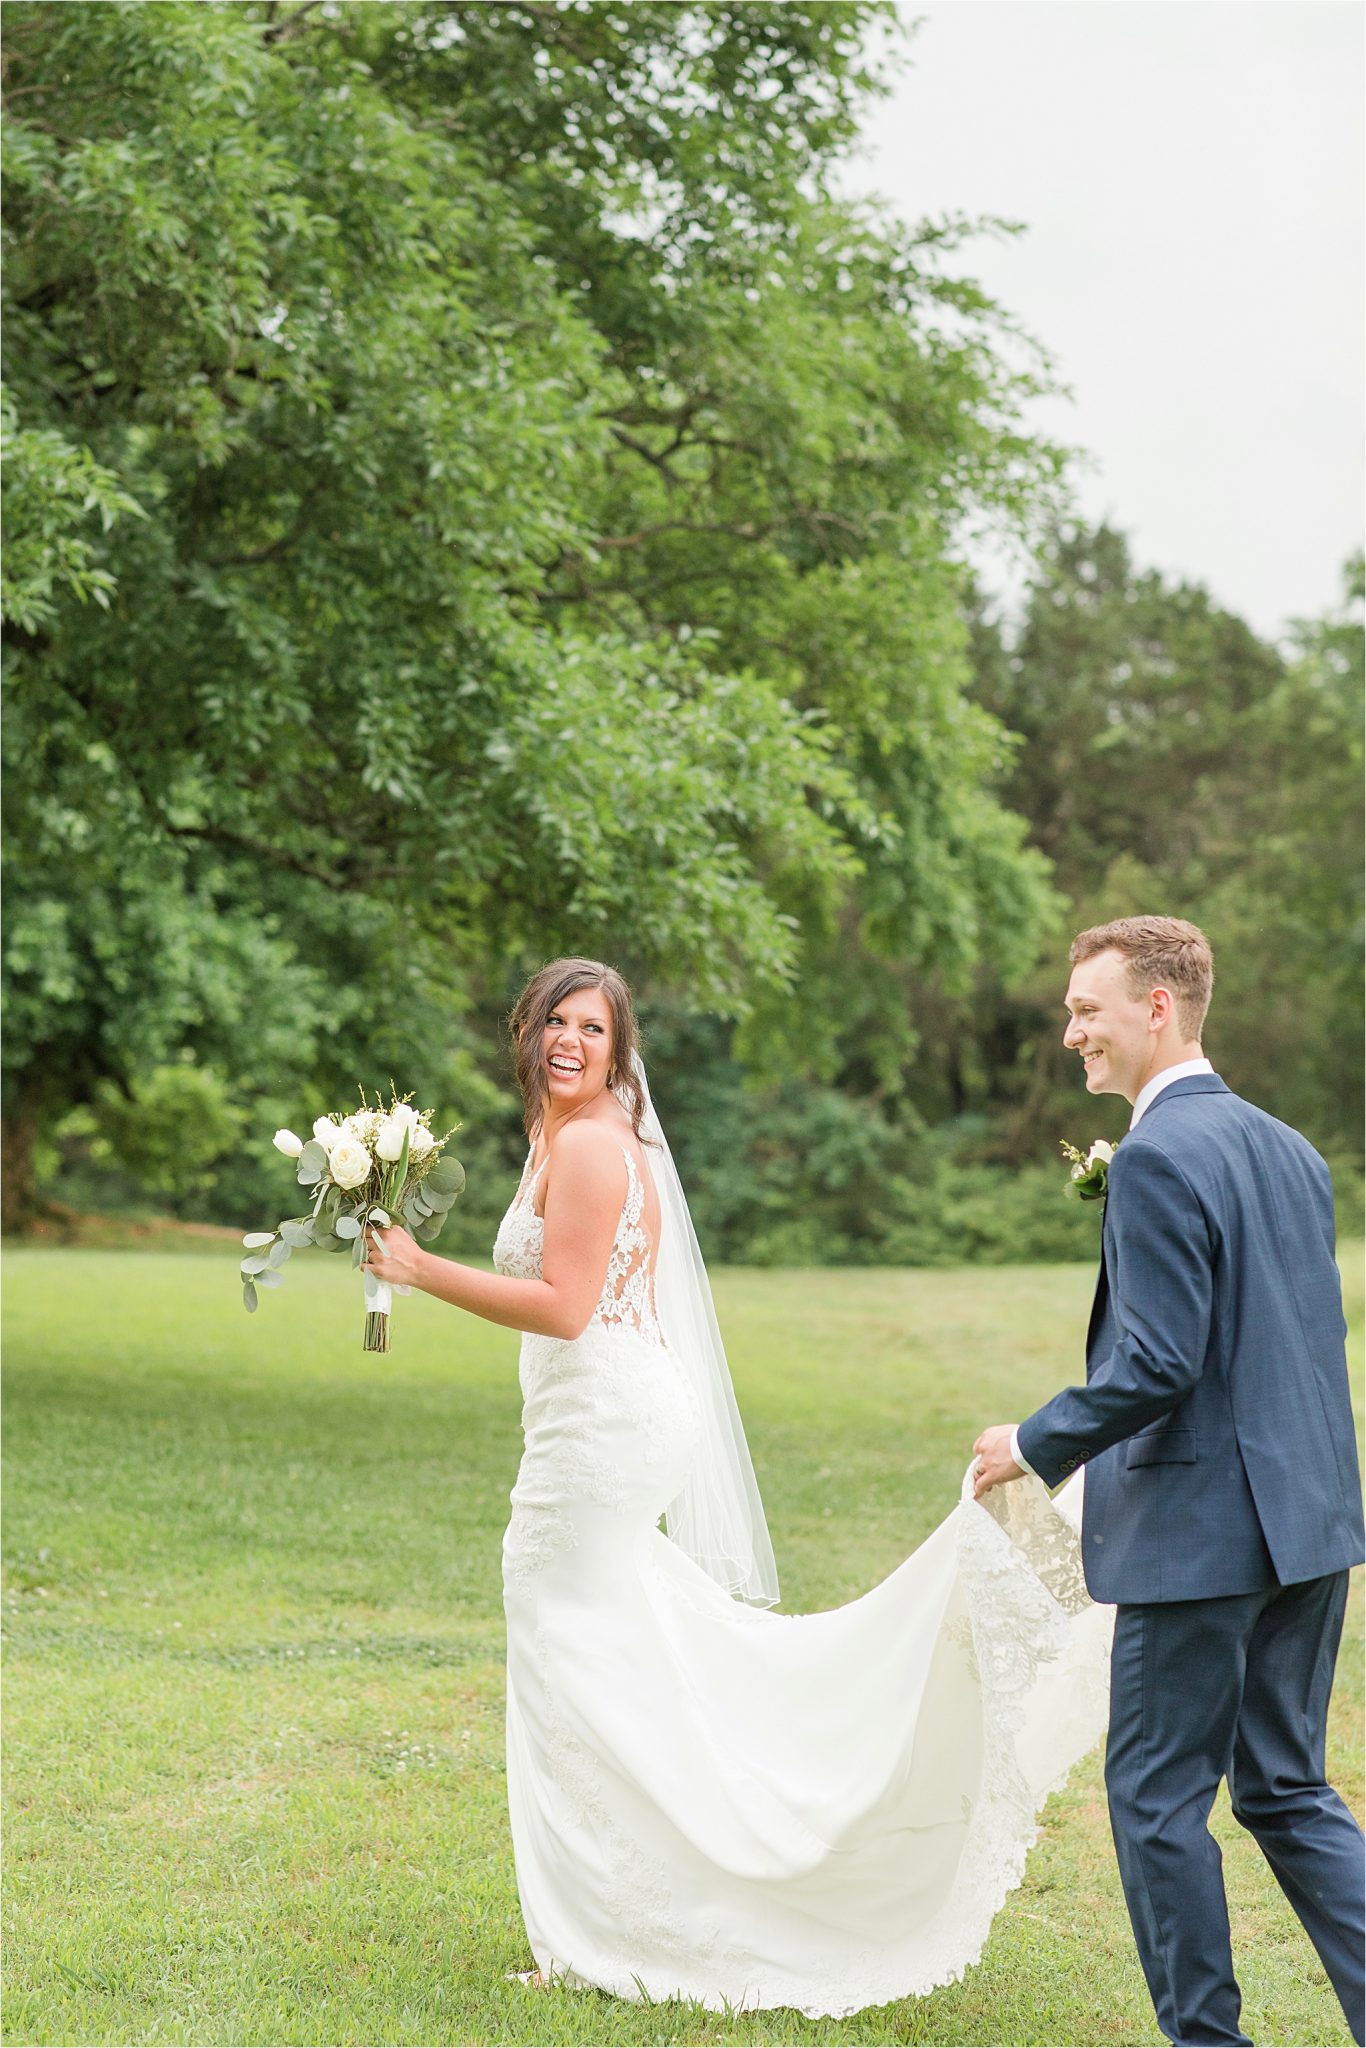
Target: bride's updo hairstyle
x=539, y=1001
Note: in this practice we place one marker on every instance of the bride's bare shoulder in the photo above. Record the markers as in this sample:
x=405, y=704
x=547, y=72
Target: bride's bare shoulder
x=590, y=1144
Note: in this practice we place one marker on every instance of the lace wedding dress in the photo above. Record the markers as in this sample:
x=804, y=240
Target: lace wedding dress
x=747, y=1809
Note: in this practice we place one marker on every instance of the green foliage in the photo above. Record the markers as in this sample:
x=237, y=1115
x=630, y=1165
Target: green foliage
x=471, y=493
x=50, y=490
x=168, y=1133
x=1172, y=761
x=510, y=412
x=790, y=1172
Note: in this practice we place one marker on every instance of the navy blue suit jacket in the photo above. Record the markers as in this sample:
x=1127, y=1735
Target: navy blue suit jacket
x=1216, y=1422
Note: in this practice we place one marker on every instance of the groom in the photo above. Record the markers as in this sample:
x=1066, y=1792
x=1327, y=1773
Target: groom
x=1222, y=1503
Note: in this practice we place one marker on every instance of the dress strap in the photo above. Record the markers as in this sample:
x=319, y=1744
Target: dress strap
x=530, y=1175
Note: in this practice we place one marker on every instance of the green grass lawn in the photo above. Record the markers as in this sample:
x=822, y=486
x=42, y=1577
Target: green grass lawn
x=254, y=1751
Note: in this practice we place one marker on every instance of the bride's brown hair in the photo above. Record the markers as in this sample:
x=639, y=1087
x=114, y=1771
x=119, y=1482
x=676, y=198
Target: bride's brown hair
x=539, y=1001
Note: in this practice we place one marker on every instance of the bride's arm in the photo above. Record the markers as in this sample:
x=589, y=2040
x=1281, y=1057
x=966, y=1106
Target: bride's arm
x=585, y=1188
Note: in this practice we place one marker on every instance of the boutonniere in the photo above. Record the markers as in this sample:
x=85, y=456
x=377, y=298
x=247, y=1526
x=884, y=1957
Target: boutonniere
x=1090, y=1170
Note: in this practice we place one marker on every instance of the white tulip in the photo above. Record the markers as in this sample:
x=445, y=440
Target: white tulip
x=1101, y=1150
x=286, y=1142
x=403, y=1113
x=327, y=1133
x=349, y=1163
x=389, y=1140
x=420, y=1142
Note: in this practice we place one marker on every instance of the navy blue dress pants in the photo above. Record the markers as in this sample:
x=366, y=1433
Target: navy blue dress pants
x=1236, y=1688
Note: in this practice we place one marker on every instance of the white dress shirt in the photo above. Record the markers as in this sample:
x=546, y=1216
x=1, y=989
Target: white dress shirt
x=1146, y=1097
x=1150, y=1090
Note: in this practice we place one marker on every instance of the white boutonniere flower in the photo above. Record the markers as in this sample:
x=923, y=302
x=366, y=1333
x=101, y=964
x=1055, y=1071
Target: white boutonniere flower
x=1090, y=1174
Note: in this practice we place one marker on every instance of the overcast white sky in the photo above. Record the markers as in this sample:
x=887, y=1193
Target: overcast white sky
x=1191, y=172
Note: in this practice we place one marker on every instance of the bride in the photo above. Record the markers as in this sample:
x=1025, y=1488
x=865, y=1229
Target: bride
x=709, y=1800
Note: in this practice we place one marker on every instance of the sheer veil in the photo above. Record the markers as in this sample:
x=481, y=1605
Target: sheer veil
x=718, y=1518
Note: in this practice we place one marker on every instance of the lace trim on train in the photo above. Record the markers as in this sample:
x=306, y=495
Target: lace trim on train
x=1024, y=1596
x=1019, y=1607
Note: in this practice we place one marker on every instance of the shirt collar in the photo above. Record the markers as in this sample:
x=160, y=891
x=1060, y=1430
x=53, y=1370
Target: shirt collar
x=1150, y=1090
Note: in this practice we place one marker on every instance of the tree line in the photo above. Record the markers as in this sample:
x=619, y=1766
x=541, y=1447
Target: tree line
x=474, y=492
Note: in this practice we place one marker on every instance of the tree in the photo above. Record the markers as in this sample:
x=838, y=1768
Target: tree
x=1173, y=761
x=443, y=439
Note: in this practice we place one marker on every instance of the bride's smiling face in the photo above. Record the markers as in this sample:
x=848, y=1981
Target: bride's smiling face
x=577, y=1047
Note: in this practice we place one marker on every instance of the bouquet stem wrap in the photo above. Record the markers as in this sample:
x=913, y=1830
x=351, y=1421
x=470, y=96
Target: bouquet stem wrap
x=379, y=1300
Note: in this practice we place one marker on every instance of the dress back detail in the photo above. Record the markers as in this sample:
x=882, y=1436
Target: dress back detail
x=627, y=1298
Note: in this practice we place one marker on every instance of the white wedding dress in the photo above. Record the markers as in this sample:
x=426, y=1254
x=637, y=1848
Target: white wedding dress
x=720, y=1803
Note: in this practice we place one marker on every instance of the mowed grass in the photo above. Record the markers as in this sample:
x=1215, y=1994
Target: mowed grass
x=254, y=1755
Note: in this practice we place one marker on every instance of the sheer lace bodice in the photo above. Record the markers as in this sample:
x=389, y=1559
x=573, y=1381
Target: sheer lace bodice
x=627, y=1297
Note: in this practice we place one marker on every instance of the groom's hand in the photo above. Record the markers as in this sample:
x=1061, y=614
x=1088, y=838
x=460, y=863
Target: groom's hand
x=994, y=1462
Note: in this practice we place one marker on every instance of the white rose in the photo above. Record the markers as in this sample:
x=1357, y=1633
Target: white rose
x=327, y=1133
x=403, y=1113
x=389, y=1141
x=286, y=1142
x=350, y=1163
x=1101, y=1150
x=420, y=1142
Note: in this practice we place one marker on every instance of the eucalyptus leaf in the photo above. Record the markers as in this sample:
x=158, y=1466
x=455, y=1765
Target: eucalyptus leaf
x=427, y=1229
x=277, y=1258
x=380, y=1216
x=401, y=1164
x=358, y=1251
x=254, y=1238
x=448, y=1175
x=270, y=1280
x=314, y=1155
x=255, y=1264
x=347, y=1227
x=297, y=1232
x=308, y=1176
x=249, y=1297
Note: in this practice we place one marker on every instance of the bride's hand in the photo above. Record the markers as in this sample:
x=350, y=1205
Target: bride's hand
x=392, y=1255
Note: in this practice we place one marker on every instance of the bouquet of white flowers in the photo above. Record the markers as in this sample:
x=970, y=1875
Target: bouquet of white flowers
x=374, y=1166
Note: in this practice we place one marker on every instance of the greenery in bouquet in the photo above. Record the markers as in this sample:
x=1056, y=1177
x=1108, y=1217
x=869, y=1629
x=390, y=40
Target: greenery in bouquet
x=375, y=1166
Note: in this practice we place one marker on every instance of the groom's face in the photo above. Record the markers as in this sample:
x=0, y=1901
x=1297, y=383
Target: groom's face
x=1108, y=1027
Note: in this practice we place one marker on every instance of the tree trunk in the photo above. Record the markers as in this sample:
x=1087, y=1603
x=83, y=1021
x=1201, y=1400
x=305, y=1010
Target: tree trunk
x=20, y=1128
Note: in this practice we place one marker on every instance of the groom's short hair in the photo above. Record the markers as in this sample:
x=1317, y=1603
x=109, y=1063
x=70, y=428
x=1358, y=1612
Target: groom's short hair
x=1160, y=952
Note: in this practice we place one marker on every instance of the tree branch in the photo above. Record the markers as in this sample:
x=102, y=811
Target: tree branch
x=221, y=835
x=292, y=25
